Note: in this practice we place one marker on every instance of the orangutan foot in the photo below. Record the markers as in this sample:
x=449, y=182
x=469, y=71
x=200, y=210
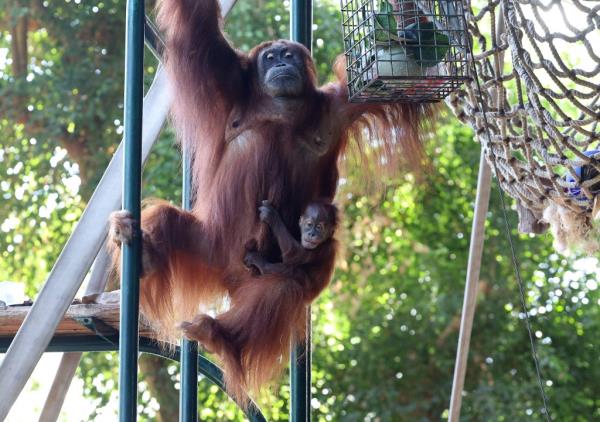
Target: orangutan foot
x=121, y=227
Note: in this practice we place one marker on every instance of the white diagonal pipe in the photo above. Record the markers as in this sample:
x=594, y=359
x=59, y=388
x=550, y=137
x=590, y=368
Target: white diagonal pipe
x=77, y=256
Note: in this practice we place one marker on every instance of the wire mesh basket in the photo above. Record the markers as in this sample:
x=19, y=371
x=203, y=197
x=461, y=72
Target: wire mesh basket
x=404, y=50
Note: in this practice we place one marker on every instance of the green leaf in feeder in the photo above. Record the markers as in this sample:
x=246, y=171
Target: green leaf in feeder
x=385, y=23
x=425, y=43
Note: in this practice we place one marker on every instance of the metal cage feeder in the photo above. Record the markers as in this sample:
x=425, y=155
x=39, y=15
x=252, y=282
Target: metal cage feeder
x=404, y=50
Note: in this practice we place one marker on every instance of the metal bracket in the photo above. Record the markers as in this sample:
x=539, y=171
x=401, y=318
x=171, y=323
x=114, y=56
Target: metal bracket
x=98, y=327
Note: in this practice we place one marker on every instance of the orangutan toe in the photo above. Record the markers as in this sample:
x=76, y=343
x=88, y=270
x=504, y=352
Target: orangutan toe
x=201, y=329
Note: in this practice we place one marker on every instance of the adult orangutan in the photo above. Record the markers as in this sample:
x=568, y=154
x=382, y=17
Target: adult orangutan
x=257, y=127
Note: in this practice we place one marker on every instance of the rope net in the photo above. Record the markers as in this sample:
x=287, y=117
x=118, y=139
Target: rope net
x=540, y=80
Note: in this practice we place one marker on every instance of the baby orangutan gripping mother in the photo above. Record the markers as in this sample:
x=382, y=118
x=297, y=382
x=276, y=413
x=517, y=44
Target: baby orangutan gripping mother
x=257, y=334
x=300, y=259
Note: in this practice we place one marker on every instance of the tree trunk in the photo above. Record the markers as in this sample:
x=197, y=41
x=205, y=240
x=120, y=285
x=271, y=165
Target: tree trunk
x=161, y=386
x=18, y=32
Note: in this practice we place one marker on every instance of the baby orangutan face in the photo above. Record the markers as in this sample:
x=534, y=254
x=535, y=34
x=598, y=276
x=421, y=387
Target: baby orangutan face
x=316, y=224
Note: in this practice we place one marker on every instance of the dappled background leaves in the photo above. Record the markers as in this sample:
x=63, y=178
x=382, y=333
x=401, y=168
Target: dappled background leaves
x=385, y=331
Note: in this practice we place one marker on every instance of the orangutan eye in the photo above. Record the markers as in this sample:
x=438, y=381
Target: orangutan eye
x=320, y=227
x=288, y=55
x=270, y=56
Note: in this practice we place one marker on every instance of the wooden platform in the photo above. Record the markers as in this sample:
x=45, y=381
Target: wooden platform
x=80, y=319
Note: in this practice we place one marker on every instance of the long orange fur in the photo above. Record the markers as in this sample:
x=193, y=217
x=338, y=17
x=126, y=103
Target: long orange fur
x=197, y=256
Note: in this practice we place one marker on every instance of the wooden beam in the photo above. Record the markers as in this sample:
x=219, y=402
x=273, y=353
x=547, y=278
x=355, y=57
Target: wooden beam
x=471, y=287
x=77, y=256
x=482, y=200
x=62, y=381
x=12, y=317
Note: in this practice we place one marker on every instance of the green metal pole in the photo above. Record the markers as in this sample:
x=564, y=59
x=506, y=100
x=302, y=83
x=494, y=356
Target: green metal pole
x=188, y=393
x=95, y=343
x=300, y=377
x=132, y=186
x=301, y=19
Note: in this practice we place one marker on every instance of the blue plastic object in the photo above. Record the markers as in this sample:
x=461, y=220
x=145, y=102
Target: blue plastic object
x=585, y=172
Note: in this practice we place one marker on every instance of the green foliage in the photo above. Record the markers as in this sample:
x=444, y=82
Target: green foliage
x=59, y=124
x=389, y=322
x=431, y=46
x=385, y=331
x=385, y=23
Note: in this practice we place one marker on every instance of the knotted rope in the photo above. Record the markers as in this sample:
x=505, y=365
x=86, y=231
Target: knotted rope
x=543, y=125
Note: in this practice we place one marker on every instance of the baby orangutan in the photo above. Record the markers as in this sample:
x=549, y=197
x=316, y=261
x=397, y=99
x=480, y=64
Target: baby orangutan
x=253, y=338
x=299, y=259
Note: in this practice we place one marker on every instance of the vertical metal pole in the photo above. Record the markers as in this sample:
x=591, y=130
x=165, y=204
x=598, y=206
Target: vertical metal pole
x=300, y=377
x=188, y=371
x=301, y=20
x=132, y=186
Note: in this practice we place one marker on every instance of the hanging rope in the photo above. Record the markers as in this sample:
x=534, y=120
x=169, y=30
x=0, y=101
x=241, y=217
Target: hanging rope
x=542, y=134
